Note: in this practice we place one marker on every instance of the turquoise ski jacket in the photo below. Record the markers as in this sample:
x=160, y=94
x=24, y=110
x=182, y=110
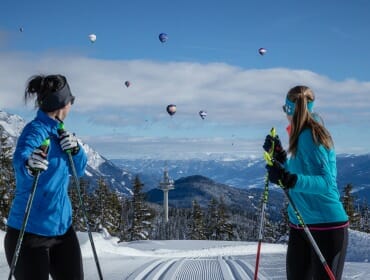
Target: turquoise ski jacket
x=51, y=211
x=316, y=193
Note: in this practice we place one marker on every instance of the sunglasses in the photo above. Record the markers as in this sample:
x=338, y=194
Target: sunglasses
x=284, y=109
x=288, y=108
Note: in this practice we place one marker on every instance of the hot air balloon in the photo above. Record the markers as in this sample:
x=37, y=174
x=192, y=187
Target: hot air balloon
x=202, y=114
x=92, y=38
x=127, y=83
x=163, y=37
x=262, y=51
x=171, y=109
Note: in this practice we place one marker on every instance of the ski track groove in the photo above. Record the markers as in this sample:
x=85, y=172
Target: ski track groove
x=275, y=269
x=225, y=268
x=160, y=272
x=143, y=271
x=173, y=269
x=250, y=269
x=215, y=268
x=200, y=268
x=238, y=272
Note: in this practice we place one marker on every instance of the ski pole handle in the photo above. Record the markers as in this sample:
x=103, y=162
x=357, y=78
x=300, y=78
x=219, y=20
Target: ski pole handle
x=273, y=135
x=273, y=132
x=67, y=140
x=61, y=128
x=45, y=145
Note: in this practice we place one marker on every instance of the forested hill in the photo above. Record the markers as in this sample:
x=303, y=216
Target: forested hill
x=203, y=189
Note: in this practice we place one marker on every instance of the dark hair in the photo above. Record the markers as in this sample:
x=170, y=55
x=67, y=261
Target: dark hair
x=41, y=86
x=52, y=92
x=302, y=118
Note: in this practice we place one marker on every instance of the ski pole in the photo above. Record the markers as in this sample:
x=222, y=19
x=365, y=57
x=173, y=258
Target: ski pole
x=77, y=183
x=264, y=203
x=44, y=147
x=302, y=223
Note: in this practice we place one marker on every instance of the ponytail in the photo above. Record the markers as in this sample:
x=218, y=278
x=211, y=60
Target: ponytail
x=302, y=118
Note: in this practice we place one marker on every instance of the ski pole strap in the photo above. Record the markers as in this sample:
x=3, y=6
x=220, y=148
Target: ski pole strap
x=268, y=158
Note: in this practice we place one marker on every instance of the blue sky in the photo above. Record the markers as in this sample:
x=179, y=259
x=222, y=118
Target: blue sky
x=210, y=62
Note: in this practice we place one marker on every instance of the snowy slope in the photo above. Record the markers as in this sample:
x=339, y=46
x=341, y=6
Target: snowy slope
x=195, y=259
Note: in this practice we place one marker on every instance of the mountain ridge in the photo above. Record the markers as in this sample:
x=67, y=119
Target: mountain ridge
x=248, y=173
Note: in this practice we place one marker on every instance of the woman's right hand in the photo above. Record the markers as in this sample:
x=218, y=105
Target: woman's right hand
x=279, y=153
x=37, y=161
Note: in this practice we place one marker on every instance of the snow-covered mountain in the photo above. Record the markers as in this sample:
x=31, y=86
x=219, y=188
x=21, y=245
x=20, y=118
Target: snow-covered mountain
x=239, y=173
x=13, y=125
x=98, y=166
x=244, y=173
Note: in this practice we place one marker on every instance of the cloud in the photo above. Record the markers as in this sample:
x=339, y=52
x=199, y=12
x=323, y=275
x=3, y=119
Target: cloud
x=234, y=97
x=173, y=148
x=228, y=93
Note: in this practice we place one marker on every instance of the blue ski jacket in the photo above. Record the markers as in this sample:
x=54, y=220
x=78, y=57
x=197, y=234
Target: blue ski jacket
x=316, y=193
x=51, y=210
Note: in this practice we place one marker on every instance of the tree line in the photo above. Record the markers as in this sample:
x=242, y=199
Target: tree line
x=133, y=218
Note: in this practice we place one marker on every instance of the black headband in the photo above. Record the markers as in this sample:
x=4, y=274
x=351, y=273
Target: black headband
x=57, y=99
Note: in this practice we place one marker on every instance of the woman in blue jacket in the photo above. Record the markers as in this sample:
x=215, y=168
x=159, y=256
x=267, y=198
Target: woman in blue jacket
x=50, y=245
x=310, y=177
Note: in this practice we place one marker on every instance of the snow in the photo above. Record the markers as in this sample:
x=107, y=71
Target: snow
x=13, y=124
x=94, y=159
x=196, y=259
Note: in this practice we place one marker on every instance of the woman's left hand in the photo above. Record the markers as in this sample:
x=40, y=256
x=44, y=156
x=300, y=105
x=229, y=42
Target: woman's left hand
x=68, y=142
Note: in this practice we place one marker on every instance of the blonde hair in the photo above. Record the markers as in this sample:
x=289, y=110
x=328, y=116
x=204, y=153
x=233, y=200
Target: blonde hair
x=302, y=118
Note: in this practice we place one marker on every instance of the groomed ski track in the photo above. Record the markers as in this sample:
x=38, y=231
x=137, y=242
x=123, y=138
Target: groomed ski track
x=215, y=268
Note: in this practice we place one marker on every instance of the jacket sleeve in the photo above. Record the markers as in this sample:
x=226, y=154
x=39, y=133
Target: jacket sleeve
x=80, y=161
x=31, y=138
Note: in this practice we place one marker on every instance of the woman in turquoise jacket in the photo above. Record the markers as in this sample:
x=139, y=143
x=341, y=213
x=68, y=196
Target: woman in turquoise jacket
x=310, y=177
x=50, y=245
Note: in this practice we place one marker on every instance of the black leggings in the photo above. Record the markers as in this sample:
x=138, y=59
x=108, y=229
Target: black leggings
x=303, y=262
x=59, y=256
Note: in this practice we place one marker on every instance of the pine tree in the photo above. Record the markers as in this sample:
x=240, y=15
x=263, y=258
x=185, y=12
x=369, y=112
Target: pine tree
x=124, y=221
x=142, y=215
x=224, y=227
x=365, y=226
x=212, y=220
x=77, y=214
x=7, y=180
x=197, y=229
x=107, y=208
x=349, y=206
x=283, y=225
